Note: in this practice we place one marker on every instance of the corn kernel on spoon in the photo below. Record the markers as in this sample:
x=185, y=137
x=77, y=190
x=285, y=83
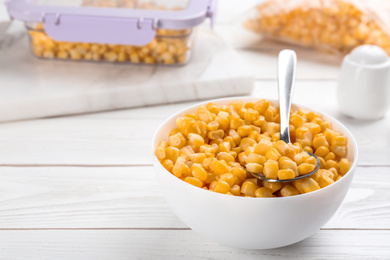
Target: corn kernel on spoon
x=286, y=74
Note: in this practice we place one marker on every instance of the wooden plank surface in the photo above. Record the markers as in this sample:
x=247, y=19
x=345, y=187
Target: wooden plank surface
x=130, y=197
x=183, y=244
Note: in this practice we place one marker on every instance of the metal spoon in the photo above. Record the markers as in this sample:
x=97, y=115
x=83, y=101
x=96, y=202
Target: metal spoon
x=287, y=61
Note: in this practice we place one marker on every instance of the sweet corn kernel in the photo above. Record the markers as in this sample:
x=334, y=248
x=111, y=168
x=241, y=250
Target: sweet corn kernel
x=288, y=190
x=235, y=190
x=219, y=168
x=344, y=166
x=177, y=140
x=286, y=174
x=305, y=168
x=194, y=181
x=249, y=188
x=272, y=154
x=254, y=167
x=263, y=146
x=198, y=171
x=271, y=169
x=221, y=187
x=308, y=185
x=263, y=193
x=272, y=186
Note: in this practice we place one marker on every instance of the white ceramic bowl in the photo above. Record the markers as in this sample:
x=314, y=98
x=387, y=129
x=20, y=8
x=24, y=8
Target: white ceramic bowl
x=252, y=223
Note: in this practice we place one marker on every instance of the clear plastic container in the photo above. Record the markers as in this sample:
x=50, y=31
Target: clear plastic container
x=133, y=31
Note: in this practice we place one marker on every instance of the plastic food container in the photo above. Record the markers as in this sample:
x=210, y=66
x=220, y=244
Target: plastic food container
x=133, y=31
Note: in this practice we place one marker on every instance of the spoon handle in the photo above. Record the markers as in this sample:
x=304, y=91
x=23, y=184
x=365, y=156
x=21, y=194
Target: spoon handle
x=286, y=75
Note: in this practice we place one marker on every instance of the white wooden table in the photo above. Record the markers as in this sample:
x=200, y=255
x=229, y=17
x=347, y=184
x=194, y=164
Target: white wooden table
x=83, y=187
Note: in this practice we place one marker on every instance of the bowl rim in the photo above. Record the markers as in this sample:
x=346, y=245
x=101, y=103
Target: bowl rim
x=247, y=99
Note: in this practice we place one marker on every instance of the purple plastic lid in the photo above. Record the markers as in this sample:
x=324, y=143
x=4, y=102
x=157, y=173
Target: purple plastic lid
x=109, y=25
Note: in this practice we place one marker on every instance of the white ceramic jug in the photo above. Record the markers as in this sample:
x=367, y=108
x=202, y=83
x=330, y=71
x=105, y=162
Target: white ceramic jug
x=364, y=83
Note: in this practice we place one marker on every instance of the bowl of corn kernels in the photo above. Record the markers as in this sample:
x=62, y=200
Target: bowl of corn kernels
x=201, y=155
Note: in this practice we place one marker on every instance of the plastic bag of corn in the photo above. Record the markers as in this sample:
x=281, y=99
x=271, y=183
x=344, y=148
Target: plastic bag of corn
x=335, y=26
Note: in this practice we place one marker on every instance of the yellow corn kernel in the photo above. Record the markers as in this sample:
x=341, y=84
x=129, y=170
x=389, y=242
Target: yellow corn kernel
x=269, y=114
x=216, y=134
x=339, y=140
x=202, y=128
x=247, y=142
x=288, y=164
x=177, y=140
x=236, y=122
x=235, y=190
x=314, y=128
x=298, y=185
x=330, y=134
x=240, y=173
x=229, y=178
x=273, y=128
x=254, y=167
x=197, y=157
x=253, y=158
x=282, y=147
x=324, y=181
x=285, y=174
x=263, y=146
x=288, y=190
x=194, y=181
x=221, y=187
x=237, y=104
x=322, y=151
x=174, y=131
x=230, y=140
x=271, y=169
x=198, y=171
x=335, y=173
x=309, y=185
x=311, y=160
x=297, y=120
x=249, y=105
x=195, y=141
x=160, y=150
x=225, y=156
x=331, y=164
x=261, y=106
x=263, y=193
x=172, y=153
x=249, y=188
x=344, y=166
x=320, y=140
x=212, y=184
x=218, y=167
x=168, y=164
x=272, y=154
x=180, y=169
x=224, y=147
x=244, y=130
x=213, y=126
x=339, y=150
x=305, y=168
x=186, y=151
x=223, y=122
x=272, y=186
x=251, y=114
x=236, y=137
x=207, y=149
x=301, y=157
x=330, y=156
x=212, y=107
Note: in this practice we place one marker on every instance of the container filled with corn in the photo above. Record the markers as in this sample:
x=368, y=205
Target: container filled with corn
x=123, y=31
x=335, y=26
